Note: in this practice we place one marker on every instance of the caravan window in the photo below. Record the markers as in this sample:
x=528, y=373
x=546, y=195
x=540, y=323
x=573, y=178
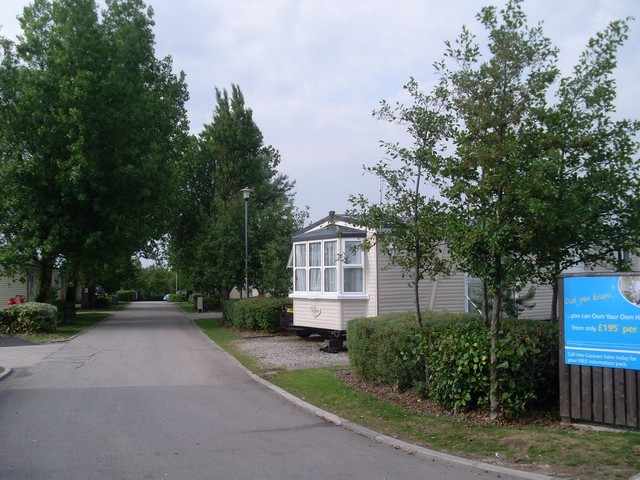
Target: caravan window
x=300, y=268
x=328, y=266
x=315, y=267
x=353, y=267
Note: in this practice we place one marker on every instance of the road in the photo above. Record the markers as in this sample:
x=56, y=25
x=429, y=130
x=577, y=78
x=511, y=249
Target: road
x=145, y=396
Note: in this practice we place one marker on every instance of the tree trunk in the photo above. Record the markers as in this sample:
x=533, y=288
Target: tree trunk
x=494, y=396
x=554, y=295
x=88, y=297
x=416, y=299
x=485, y=304
x=45, y=290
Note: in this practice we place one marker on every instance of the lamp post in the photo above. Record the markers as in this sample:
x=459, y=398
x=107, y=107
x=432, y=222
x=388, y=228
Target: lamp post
x=246, y=193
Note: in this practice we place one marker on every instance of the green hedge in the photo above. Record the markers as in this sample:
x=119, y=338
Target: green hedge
x=126, y=295
x=226, y=310
x=103, y=302
x=178, y=297
x=448, y=360
x=66, y=311
x=258, y=313
x=27, y=318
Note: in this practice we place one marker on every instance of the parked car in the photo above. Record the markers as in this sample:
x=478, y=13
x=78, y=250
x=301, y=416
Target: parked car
x=166, y=297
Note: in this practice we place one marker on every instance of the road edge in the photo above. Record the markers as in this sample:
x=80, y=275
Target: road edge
x=371, y=434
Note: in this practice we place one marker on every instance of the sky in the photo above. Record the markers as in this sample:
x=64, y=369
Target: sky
x=313, y=71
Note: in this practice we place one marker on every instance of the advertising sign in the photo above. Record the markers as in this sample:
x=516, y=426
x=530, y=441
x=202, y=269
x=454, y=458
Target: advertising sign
x=602, y=321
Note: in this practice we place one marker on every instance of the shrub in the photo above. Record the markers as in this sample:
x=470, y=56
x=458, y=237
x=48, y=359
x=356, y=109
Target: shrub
x=27, y=318
x=448, y=360
x=211, y=304
x=378, y=349
x=226, y=310
x=66, y=311
x=458, y=365
x=126, y=295
x=258, y=313
x=177, y=297
x=102, y=302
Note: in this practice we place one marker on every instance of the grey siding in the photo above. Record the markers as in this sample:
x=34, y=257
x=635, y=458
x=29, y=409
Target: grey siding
x=542, y=301
x=449, y=293
x=9, y=288
x=396, y=295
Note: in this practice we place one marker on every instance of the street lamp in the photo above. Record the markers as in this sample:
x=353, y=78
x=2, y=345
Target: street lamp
x=246, y=193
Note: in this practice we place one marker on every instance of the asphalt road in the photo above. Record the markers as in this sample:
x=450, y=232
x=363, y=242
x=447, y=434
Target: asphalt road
x=145, y=396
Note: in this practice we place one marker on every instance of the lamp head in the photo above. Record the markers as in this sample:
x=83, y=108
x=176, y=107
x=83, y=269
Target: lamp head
x=246, y=193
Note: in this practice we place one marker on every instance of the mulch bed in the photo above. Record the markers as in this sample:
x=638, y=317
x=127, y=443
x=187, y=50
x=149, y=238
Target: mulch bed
x=414, y=402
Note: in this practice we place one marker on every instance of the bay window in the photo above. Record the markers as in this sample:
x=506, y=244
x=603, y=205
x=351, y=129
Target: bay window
x=328, y=267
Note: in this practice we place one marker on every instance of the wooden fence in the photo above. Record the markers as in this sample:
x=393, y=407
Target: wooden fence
x=600, y=395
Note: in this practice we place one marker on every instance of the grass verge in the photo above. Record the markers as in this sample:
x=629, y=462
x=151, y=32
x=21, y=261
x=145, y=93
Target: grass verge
x=83, y=321
x=554, y=450
x=227, y=339
x=187, y=307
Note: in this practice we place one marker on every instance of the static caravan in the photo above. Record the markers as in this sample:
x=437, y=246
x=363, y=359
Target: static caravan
x=334, y=282
x=25, y=288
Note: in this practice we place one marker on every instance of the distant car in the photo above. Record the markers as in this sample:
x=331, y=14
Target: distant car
x=166, y=297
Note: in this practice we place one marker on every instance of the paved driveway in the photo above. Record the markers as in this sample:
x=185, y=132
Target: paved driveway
x=145, y=396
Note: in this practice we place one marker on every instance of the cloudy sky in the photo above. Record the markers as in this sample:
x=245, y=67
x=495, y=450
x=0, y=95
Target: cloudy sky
x=314, y=70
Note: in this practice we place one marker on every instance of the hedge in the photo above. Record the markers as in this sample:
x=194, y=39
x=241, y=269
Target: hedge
x=126, y=295
x=27, y=318
x=66, y=311
x=448, y=360
x=258, y=313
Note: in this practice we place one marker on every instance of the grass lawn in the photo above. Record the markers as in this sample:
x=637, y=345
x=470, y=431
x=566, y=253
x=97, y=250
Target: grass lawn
x=551, y=449
x=187, y=307
x=225, y=338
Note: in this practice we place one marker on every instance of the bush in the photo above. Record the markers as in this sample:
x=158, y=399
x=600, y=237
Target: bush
x=378, y=349
x=226, y=311
x=448, y=360
x=66, y=312
x=258, y=313
x=27, y=318
x=211, y=304
x=102, y=302
x=126, y=295
x=456, y=360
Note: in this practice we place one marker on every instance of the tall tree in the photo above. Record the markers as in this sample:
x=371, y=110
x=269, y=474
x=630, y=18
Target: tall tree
x=207, y=241
x=530, y=185
x=91, y=125
x=497, y=103
x=409, y=223
x=587, y=178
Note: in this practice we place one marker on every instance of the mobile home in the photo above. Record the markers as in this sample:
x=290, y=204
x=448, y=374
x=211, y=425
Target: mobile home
x=333, y=282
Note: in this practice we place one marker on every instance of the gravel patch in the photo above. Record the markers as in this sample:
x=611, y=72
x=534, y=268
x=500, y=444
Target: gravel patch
x=291, y=353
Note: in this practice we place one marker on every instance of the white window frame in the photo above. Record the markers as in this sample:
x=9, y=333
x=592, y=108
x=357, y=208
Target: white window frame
x=312, y=277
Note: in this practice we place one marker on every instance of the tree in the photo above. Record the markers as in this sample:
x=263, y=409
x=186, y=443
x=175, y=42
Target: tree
x=155, y=281
x=588, y=205
x=207, y=240
x=530, y=186
x=498, y=103
x=91, y=125
x=409, y=224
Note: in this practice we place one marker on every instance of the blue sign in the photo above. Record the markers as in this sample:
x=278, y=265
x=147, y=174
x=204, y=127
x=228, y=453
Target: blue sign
x=602, y=321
